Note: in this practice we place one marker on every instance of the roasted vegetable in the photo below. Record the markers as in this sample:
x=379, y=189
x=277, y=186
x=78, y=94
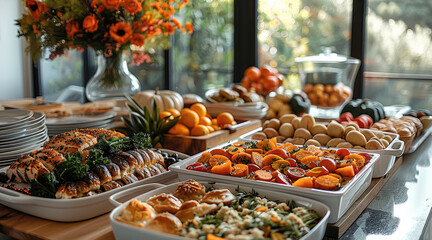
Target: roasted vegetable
x=95, y=158
x=137, y=141
x=71, y=169
x=44, y=186
x=365, y=106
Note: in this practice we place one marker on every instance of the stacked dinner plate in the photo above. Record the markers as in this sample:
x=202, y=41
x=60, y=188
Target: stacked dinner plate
x=64, y=124
x=21, y=131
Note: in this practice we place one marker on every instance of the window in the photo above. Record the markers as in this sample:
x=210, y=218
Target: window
x=398, y=63
x=289, y=29
x=204, y=60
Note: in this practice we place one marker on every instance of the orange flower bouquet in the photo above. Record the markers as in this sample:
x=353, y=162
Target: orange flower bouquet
x=108, y=26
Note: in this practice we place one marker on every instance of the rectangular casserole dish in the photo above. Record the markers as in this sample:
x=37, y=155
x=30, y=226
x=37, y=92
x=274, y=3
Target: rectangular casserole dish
x=76, y=209
x=125, y=231
x=387, y=156
x=338, y=201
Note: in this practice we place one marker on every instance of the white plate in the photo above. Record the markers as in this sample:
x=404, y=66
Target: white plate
x=125, y=231
x=12, y=117
x=37, y=142
x=240, y=111
x=338, y=201
x=28, y=134
x=24, y=140
x=70, y=210
x=79, y=119
x=22, y=128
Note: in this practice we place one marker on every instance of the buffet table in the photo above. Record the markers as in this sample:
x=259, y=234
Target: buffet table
x=400, y=210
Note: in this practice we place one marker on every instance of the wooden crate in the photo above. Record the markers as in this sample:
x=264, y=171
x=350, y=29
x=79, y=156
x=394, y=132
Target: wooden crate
x=192, y=145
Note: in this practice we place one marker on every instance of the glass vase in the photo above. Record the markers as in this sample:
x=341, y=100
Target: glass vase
x=112, y=80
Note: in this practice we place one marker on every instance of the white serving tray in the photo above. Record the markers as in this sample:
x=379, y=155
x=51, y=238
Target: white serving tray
x=76, y=209
x=338, y=201
x=419, y=140
x=125, y=231
x=383, y=164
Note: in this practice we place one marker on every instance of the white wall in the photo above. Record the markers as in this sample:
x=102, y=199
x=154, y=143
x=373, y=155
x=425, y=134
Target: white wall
x=14, y=65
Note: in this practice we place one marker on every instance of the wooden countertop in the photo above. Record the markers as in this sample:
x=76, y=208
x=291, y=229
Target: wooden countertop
x=22, y=226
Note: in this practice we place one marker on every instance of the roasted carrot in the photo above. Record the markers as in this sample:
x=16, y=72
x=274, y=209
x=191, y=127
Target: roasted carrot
x=240, y=170
x=217, y=160
x=254, y=150
x=221, y=152
x=261, y=209
x=269, y=159
x=204, y=158
x=257, y=158
x=301, y=154
x=213, y=237
x=347, y=171
x=268, y=168
x=304, y=182
x=326, y=182
x=223, y=168
x=263, y=175
x=242, y=157
x=310, y=161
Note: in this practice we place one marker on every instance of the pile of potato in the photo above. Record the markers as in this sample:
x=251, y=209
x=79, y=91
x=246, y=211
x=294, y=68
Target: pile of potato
x=304, y=130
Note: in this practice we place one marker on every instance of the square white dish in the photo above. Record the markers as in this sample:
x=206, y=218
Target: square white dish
x=338, y=201
x=76, y=209
x=125, y=231
x=387, y=156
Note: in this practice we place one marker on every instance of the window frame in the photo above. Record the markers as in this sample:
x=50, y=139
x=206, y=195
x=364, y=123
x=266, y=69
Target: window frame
x=246, y=48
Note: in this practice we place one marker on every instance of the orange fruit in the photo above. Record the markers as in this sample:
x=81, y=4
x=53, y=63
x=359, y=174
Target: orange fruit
x=189, y=118
x=179, y=129
x=215, y=127
x=174, y=112
x=209, y=116
x=205, y=121
x=210, y=128
x=199, y=130
x=165, y=114
x=252, y=73
x=270, y=83
x=267, y=70
x=200, y=109
x=214, y=121
x=224, y=118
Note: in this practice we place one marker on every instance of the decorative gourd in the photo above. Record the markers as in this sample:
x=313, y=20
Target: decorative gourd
x=365, y=106
x=164, y=99
x=299, y=103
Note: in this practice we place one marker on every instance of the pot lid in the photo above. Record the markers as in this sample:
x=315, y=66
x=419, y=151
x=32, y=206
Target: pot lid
x=327, y=56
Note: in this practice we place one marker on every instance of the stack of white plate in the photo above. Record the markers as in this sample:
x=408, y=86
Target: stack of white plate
x=65, y=124
x=21, y=131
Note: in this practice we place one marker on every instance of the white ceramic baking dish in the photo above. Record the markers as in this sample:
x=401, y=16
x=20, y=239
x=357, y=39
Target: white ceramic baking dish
x=382, y=165
x=125, y=231
x=338, y=201
x=77, y=209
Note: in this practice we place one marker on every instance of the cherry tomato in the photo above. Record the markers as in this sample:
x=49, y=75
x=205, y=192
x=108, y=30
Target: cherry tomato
x=328, y=163
x=317, y=171
x=280, y=152
x=342, y=152
x=282, y=178
x=367, y=157
x=346, y=116
x=197, y=167
x=253, y=167
x=362, y=122
x=292, y=161
x=294, y=173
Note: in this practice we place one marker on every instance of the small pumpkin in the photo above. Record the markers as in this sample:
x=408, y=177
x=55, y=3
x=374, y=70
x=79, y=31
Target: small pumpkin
x=365, y=106
x=164, y=99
